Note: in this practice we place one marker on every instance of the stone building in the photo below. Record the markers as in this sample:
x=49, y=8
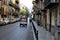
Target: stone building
x=36, y=10
x=49, y=17
x=14, y=6
x=7, y=10
x=3, y=8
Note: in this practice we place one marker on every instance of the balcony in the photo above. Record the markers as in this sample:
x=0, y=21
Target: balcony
x=0, y=0
x=33, y=2
x=10, y=4
x=34, y=7
x=17, y=1
x=14, y=5
x=0, y=9
x=36, y=1
x=43, y=10
x=38, y=12
x=51, y=3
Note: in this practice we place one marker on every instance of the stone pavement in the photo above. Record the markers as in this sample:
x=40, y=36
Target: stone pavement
x=43, y=34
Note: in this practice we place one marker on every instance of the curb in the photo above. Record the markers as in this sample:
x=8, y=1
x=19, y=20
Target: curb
x=8, y=23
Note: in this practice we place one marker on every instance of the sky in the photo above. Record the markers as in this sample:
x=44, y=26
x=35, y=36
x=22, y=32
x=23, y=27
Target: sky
x=27, y=3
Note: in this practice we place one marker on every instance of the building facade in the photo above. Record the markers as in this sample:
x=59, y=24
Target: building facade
x=49, y=17
x=7, y=10
x=14, y=8
x=3, y=8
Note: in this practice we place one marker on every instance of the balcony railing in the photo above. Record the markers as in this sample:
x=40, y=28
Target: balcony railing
x=36, y=1
x=17, y=1
x=10, y=3
x=17, y=7
x=0, y=4
x=14, y=5
x=33, y=2
x=50, y=2
x=38, y=12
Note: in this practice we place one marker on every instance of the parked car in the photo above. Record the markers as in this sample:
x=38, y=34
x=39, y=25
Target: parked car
x=2, y=22
x=17, y=19
x=6, y=20
x=12, y=20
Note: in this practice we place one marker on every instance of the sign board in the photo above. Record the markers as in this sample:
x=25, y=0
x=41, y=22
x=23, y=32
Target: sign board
x=58, y=22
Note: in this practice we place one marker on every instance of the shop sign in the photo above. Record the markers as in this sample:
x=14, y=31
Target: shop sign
x=58, y=22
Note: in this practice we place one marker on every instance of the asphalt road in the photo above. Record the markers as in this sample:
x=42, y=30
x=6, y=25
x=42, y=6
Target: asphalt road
x=15, y=32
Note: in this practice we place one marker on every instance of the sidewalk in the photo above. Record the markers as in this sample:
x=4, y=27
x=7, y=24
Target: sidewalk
x=43, y=34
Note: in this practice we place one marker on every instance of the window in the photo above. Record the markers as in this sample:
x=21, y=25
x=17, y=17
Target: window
x=59, y=15
x=0, y=0
x=0, y=4
x=5, y=1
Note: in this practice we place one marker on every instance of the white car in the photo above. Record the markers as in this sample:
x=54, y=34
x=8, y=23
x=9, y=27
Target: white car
x=12, y=20
x=2, y=21
x=6, y=20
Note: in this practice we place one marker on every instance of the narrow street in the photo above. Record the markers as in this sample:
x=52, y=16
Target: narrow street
x=15, y=32
x=29, y=19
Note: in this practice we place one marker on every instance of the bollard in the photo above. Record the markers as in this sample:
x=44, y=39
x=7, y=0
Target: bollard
x=37, y=35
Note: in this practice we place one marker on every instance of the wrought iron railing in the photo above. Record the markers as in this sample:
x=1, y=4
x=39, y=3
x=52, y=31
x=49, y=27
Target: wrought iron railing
x=50, y=1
